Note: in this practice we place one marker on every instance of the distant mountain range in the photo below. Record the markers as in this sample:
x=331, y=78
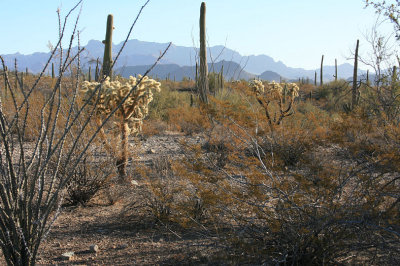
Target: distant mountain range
x=179, y=61
x=231, y=70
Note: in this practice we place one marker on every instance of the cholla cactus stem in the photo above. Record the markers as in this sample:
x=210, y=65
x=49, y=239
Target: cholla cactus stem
x=273, y=92
x=130, y=115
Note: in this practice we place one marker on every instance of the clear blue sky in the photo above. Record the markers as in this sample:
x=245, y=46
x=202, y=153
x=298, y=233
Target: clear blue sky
x=296, y=32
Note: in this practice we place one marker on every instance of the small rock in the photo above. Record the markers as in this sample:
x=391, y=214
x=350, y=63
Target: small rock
x=94, y=248
x=134, y=183
x=68, y=255
x=151, y=151
x=57, y=244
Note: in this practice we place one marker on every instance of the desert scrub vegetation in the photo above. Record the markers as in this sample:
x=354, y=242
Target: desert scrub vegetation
x=318, y=186
x=280, y=173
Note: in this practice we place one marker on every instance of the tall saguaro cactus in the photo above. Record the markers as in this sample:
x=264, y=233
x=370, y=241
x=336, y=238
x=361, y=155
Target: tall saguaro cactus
x=96, y=73
x=203, y=73
x=321, y=79
x=394, y=76
x=354, y=91
x=90, y=74
x=5, y=80
x=315, y=79
x=52, y=71
x=335, y=69
x=107, y=59
x=221, y=78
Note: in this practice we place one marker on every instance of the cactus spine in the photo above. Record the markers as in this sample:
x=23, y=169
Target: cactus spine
x=354, y=91
x=321, y=79
x=203, y=73
x=107, y=59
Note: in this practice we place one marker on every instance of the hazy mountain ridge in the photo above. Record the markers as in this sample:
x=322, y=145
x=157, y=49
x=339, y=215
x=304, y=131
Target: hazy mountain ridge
x=232, y=70
x=141, y=53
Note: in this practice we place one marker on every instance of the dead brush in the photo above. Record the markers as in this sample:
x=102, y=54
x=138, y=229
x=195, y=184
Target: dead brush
x=160, y=190
x=88, y=178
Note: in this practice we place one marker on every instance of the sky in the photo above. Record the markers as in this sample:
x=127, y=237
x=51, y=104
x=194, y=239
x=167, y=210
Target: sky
x=292, y=31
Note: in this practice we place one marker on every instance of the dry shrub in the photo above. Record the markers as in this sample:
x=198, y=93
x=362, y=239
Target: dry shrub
x=285, y=197
x=170, y=197
x=87, y=179
x=167, y=98
x=160, y=189
x=152, y=128
x=189, y=120
x=315, y=215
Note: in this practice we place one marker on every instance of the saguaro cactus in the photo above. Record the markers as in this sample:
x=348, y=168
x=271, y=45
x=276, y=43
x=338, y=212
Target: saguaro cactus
x=197, y=75
x=22, y=80
x=90, y=74
x=354, y=91
x=394, y=76
x=16, y=73
x=107, y=59
x=221, y=78
x=203, y=73
x=96, y=74
x=5, y=80
x=321, y=79
x=315, y=79
x=52, y=71
x=335, y=69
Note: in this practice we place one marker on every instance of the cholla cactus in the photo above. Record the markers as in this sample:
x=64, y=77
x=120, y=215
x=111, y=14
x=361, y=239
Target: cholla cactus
x=267, y=93
x=257, y=86
x=130, y=114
